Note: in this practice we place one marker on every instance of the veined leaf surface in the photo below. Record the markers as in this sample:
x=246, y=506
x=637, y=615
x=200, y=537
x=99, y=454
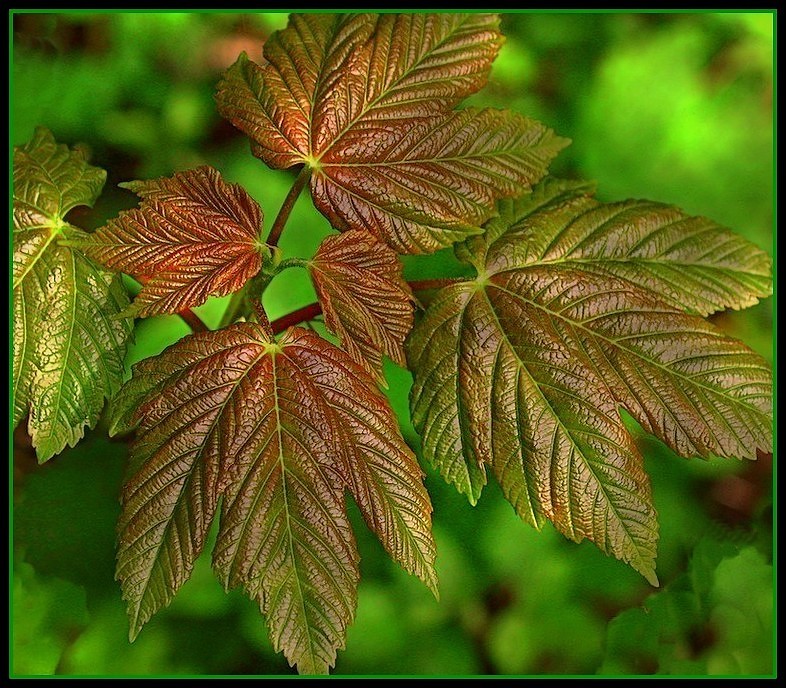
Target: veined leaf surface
x=364, y=297
x=279, y=429
x=193, y=236
x=68, y=344
x=523, y=370
x=366, y=100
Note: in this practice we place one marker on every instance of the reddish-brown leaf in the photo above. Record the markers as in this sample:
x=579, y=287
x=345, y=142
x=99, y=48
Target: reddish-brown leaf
x=365, y=101
x=394, y=66
x=364, y=297
x=280, y=429
x=193, y=236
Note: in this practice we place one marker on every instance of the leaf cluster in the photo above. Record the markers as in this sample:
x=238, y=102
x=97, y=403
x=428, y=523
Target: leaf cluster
x=576, y=309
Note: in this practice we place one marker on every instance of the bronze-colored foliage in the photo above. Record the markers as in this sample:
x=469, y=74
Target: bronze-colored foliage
x=523, y=369
x=193, y=236
x=578, y=310
x=365, y=100
x=279, y=429
x=366, y=301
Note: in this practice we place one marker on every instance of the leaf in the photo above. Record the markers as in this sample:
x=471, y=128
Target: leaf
x=193, y=236
x=523, y=370
x=182, y=397
x=68, y=345
x=365, y=101
x=383, y=474
x=364, y=297
x=690, y=262
x=696, y=389
x=399, y=66
x=725, y=597
x=280, y=429
x=488, y=391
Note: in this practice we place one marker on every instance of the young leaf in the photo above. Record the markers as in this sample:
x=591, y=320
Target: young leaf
x=68, y=346
x=382, y=474
x=399, y=67
x=364, y=297
x=193, y=236
x=182, y=401
x=365, y=100
x=522, y=369
x=280, y=429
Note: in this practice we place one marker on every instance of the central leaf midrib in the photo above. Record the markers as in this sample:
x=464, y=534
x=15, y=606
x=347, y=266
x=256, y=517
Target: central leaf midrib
x=420, y=161
x=590, y=260
x=54, y=231
x=290, y=537
x=66, y=354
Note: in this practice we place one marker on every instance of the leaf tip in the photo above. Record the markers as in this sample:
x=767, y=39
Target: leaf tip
x=651, y=577
x=431, y=583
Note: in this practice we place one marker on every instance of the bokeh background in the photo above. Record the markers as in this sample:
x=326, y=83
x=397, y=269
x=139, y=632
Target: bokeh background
x=672, y=107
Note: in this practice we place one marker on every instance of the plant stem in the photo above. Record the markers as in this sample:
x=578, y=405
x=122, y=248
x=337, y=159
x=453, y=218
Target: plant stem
x=311, y=311
x=300, y=315
x=286, y=207
x=193, y=321
x=234, y=306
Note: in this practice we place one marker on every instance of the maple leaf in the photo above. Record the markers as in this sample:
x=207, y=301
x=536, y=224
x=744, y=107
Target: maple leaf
x=365, y=101
x=691, y=262
x=193, y=236
x=522, y=370
x=68, y=345
x=279, y=429
x=364, y=297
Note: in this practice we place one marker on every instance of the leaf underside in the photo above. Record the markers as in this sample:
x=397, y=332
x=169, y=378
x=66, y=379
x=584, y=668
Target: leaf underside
x=365, y=299
x=524, y=369
x=366, y=100
x=278, y=430
x=68, y=344
x=193, y=236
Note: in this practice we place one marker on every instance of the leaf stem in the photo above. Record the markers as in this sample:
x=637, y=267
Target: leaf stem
x=234, y=307
x=193, y=321
x=286, y=207
x=292, y=263
x=300, y=315
x=311, y=311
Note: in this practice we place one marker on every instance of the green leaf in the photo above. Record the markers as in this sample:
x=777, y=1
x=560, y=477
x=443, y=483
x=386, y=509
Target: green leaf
x=364, y=297
x=716, y=618
x=523, y=401
x=68, y=343
x=697, y=390
x=193, y=236
x=692, y=263
x=280, y=430
x=366, y=100
x=523, y=369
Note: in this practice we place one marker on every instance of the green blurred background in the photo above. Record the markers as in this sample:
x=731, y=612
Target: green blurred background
x=672, y=107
